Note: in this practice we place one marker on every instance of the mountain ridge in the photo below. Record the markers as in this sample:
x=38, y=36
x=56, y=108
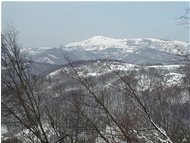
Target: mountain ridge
x=106, y=42
x=131, y=50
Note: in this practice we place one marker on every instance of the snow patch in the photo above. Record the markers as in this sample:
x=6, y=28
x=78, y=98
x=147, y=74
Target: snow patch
x=52, y=56
x=45, y=60
x=173, y=78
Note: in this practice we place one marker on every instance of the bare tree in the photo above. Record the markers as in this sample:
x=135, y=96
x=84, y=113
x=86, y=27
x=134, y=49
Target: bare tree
x=185, y=19
x=19, y=85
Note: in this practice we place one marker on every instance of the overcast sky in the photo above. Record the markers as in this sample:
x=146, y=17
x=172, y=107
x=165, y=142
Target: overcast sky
x=56, y=23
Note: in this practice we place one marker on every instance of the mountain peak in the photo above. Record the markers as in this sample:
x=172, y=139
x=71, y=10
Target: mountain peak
x=99, y=37
x=100, y=40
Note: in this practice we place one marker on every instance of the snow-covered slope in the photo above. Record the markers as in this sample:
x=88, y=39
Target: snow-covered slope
x=135, y=51
x=130, y=44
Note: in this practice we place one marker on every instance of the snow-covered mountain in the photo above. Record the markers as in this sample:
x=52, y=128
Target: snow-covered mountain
x=129, y=44
x=136, y=51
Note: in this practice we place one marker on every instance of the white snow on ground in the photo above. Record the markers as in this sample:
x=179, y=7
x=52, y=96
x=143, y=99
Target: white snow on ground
x=95, y=69
x=173, y=78
x=144, y=83
x=170, y=79
x=52, y=74
x=92, y=74
x=182, y=98
x=167, y=67
x=122, y=66
x=185, y=97
x=3, y=129
x=26, y=134
x=112, y=134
